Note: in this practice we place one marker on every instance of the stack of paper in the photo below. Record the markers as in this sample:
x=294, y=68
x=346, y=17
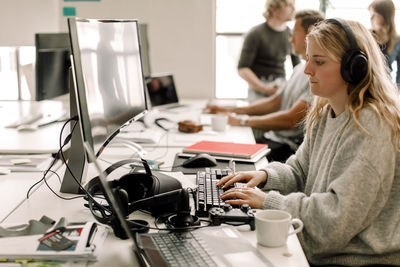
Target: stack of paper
x=87, y=240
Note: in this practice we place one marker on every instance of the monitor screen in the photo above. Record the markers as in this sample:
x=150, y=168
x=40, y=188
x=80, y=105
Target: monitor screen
x=108, y=74
x=52, y=65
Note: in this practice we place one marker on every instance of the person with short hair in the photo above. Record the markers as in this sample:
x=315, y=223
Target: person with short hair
x=344, y=180
x=281, y=114
x=264, y=50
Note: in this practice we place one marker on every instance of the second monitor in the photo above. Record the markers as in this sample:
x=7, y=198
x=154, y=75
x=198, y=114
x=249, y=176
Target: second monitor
x=52, y=65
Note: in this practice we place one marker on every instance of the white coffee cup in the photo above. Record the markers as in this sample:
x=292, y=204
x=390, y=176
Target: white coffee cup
x=219, y=122
x=272, y=227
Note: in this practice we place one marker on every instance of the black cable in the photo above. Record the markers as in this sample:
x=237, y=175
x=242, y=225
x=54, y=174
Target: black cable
x=60, y=152
x=56, y=157
x=43, y=177
x=51, y=189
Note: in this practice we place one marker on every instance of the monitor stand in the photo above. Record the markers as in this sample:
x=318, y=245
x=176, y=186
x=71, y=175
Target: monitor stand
x=77, y=162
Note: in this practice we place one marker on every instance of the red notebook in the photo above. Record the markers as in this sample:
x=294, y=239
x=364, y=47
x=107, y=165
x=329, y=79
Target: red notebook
x=227, y=149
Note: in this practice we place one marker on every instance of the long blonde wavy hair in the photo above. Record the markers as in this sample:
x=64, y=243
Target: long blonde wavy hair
x=376, y=90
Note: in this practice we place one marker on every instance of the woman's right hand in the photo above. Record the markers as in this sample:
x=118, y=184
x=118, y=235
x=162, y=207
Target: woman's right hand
x=253, y=178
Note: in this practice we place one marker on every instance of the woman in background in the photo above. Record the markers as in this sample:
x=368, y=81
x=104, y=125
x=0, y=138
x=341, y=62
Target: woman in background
x=344, y=180
x=384, y=30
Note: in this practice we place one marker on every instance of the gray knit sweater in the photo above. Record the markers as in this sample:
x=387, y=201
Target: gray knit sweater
x=345, y=186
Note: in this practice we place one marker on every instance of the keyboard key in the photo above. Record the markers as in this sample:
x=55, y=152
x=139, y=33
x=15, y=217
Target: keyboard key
x=182, y=249
x=208, y=194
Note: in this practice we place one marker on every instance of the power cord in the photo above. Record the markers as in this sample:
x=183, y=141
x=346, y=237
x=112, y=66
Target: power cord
x=56, y=157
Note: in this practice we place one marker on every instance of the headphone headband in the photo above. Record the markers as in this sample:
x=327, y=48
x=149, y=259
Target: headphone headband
x=354, y=64
x=349, y=33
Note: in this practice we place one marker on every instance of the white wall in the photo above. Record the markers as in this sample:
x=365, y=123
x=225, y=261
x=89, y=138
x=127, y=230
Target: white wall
x=21, y=19
x=181, y=32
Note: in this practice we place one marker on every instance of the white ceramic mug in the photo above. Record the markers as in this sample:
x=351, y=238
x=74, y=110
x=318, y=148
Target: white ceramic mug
x=219, y=122
x=272, y=227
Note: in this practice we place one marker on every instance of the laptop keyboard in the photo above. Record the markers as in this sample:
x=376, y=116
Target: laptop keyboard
x=180, y=249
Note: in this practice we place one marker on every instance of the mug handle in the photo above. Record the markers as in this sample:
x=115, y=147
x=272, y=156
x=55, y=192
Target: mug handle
x=299, y=224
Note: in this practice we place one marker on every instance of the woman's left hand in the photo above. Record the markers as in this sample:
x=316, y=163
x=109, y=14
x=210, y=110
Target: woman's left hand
x=254, y=197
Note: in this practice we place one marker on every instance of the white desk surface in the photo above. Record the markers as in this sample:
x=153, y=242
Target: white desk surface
x=43, y=140
x=13, y=188
x=193, y=112
x=118, y=252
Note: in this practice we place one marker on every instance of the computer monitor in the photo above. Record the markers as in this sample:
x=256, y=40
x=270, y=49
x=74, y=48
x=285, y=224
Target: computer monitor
x=145, y=49
x=51, y=65
x=108, y=82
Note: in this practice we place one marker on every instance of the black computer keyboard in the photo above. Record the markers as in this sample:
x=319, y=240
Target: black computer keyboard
x=208, y=194
x=178, y=249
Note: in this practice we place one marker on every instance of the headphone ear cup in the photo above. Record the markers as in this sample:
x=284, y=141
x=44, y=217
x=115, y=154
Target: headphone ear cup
x=354, y=66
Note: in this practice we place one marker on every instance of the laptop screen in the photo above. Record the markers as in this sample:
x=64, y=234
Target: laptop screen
x=162, y=90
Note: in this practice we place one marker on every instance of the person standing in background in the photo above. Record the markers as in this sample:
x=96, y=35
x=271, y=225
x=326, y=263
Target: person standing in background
x=281, y=114
x=384, y=30
x=264, y=50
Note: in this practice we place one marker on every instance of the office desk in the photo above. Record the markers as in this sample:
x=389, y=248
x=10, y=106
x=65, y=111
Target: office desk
x=42, y=140
x=193, y=111
x=117, y=252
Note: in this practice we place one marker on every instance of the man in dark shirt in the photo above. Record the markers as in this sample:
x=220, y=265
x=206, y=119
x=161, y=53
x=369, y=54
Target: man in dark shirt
x=265, y=48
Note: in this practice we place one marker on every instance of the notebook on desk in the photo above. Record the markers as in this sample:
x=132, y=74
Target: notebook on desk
x=228, y=149
x=211, y=246
x=162, y=91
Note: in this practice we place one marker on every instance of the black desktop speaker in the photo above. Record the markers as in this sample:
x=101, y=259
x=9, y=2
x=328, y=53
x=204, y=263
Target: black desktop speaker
x=354, y=65
x=132, y=188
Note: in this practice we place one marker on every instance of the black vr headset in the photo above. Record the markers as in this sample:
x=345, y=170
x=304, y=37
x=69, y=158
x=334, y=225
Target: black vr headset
x=155, y=192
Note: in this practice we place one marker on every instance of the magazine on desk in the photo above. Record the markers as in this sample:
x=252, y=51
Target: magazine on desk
x=87, y=239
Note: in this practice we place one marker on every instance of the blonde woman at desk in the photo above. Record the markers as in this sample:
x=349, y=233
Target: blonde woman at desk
x=344, y=180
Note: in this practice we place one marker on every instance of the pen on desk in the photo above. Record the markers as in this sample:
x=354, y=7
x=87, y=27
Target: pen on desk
x=92, y=234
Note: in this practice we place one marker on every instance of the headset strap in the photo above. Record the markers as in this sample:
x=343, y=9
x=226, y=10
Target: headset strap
x=126, y=161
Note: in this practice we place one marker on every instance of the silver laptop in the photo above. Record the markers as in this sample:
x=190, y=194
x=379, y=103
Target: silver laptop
x=209, y=246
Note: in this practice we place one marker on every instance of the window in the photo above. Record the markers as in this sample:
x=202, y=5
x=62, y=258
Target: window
x=14, y=61
x=235, y=17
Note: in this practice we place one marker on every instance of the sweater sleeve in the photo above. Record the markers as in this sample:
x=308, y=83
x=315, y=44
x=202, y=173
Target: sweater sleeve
x=289, y=177
x=342, y=200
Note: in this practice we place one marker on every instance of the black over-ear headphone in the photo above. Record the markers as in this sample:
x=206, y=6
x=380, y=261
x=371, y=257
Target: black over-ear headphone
x=354, y=65
x=158, y=193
